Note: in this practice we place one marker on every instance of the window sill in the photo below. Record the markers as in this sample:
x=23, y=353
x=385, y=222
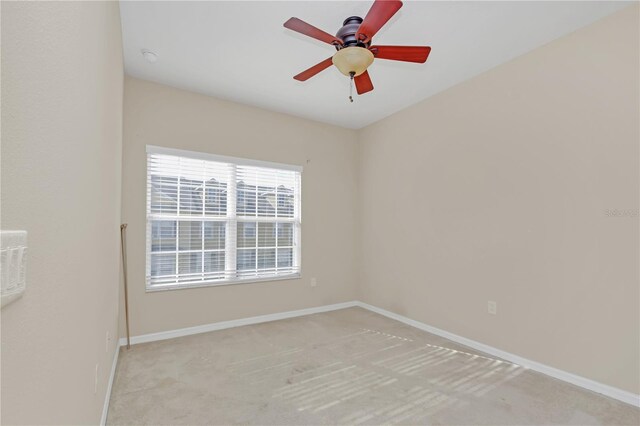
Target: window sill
x=200, y=284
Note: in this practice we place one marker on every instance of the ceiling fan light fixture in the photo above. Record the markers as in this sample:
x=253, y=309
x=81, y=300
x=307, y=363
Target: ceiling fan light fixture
x=352, y=60
x=353, y=42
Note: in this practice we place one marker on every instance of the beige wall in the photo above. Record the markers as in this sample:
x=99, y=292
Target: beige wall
x=500, y=187
x=61, y=155
x=159, y=115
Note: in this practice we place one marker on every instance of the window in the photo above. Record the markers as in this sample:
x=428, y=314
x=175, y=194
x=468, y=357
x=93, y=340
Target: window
x=219, y=220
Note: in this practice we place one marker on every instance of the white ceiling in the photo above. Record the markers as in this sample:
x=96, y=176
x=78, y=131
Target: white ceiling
x=239, y=50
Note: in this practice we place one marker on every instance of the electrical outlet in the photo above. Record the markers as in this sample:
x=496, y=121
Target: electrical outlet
x=95, y=386
x=492, y=307
x=314, y=282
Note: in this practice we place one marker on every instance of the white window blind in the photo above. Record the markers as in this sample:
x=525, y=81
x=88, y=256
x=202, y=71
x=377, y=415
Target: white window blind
x=217, y=220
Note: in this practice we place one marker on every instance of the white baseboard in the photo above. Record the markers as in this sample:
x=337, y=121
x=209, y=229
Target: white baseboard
x=107, y=397
x=610, y=391
x=163, y=335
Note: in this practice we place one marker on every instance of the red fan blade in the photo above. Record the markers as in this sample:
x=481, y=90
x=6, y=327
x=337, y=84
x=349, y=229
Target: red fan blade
x=302, y=27
x=381, y=11
x=307, y=74
x=363, y=83
x=402, y=53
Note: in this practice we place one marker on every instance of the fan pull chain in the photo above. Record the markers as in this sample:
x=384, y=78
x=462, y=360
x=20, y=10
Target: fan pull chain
x=351, y=86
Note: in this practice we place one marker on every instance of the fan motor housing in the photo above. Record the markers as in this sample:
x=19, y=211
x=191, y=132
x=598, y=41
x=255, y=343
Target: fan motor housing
x=348, y=33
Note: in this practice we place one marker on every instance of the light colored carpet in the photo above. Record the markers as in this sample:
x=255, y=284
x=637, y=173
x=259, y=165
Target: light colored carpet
x=344, y=367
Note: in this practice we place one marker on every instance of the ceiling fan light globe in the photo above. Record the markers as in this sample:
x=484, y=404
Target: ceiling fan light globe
x=352, y=60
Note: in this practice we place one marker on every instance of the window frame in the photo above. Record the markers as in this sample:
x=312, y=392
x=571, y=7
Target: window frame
x=230, y=219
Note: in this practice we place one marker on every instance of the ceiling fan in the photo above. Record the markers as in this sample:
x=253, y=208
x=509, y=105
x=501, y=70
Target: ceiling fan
x=353, y=44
